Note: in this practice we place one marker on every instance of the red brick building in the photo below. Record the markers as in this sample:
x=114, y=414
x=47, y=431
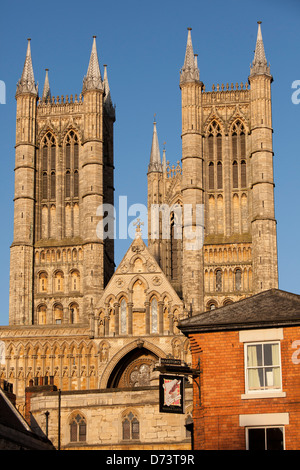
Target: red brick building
x=249, y=357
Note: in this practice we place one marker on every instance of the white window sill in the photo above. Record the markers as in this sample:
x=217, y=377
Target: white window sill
x=267, y=394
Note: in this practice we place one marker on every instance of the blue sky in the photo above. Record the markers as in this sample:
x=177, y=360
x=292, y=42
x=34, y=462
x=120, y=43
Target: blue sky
x=143, y=44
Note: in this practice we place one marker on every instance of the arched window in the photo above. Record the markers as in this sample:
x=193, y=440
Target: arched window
x=211, y=305
x=211, y=176
x=219, y=147
x=58, y=314
x=75, y=281
x=43, y=282
x=53, y=185
x=238, y=148
x=234, y=145
x=48, y=166
x=243, y=174
x=71, y=165
x=74, y=313
x=211, y=146
x=130, y=427
x=68, y=184
x=59, y=281
x=219, y=176
x=45, y=186
x=77, y=428
x=235, y=178
x=218, y=280
x=153, y=308
x=123, y=308
x=76, y=184
x=41, y=314
x=238, y=279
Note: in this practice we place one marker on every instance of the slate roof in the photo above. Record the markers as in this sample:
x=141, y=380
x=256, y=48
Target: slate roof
x=269, y=309
x=15, y=431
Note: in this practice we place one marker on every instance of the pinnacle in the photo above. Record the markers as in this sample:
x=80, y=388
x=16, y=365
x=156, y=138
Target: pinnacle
x=93, y=80
x=189, y=71
x=27, y=84
x=46, y=91
x=259, y=64
x=155, y=161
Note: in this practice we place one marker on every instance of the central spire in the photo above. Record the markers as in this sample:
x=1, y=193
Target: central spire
x=93, y=80
x=26, y=83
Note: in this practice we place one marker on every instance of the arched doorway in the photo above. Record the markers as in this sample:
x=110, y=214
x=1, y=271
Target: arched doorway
x=133, y=370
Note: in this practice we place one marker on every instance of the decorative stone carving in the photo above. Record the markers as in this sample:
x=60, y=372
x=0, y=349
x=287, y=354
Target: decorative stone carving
x=157, y=280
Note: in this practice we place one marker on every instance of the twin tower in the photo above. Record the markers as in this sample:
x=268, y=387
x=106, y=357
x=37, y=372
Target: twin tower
x=64, y=171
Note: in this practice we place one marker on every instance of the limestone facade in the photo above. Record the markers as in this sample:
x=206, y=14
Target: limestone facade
x=226, y=166
x=76, y=319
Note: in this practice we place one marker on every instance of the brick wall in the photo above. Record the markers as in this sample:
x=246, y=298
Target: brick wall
x=216, y=418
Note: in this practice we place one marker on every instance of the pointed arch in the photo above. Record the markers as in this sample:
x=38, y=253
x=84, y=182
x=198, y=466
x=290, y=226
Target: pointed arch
x=117, y=358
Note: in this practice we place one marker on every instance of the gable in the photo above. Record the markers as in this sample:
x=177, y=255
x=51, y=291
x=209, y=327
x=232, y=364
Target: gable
x=137, y=278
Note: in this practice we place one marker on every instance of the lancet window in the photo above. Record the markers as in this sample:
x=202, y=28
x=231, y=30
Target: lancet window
x=48, y=167
x=71, y=165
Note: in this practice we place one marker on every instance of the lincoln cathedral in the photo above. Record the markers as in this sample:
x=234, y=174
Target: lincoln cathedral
x=88, y=335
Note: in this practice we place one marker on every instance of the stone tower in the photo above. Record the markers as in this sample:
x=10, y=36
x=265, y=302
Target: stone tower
x=227, y=168
x=63, y=173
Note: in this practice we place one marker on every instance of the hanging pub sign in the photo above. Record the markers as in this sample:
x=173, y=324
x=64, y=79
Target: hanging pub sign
x=171, y=394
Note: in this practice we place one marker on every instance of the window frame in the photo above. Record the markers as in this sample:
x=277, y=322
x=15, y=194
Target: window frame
x=266, y=390
x=132, y=421
x=247, y=428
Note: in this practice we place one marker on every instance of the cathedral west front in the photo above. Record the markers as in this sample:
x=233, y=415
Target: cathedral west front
x=96, y=332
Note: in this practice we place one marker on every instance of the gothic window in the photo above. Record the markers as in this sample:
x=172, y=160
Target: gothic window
x=153, y=307
x=48, y=166
x=211, y=176
x=219, y=147
x=243, y=174
x=130, y=427
x=235, y=178
x=123, y=308
x=214, y=151
x=53, y=157
x=53, y=185
x=219, y=176
x=45, y=159
x=238, y=279
x=238, y=149
x=234, y=145
x=45, y=186
x=218, y=280
x=68, y=183
x=243, y=143
x=76, y=184
x=71, y=165
x=78, y=428
x=211, y=146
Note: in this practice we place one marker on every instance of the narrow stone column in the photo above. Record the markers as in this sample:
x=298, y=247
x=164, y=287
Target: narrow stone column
x=106, y=325
x=116, y=306
x=147, y=306
x=160, y=317
x=130, y=305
